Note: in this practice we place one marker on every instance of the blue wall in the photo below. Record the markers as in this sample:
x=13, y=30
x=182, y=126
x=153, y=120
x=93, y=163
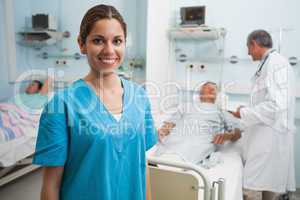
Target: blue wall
x=69, y=15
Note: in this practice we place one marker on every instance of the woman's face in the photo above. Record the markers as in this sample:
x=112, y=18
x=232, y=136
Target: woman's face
x=104, y=46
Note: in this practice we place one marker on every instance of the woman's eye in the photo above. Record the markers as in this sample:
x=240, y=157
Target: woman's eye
x=118, y=42
x=98, y=41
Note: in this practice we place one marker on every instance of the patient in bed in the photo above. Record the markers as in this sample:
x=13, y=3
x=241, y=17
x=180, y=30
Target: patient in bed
x=196, y=129
x=34, y=97
x=20, y=115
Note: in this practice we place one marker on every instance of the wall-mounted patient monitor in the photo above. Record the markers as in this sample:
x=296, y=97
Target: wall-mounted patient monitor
x=192, y=16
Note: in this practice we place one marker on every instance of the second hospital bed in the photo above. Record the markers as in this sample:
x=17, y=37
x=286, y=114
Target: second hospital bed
x=18, y=138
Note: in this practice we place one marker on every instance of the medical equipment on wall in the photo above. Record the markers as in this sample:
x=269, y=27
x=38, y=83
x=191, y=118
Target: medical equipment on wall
x=192, y=16
x=44, y=21
x=41, y=30
x=197, y=33
x=293, y=60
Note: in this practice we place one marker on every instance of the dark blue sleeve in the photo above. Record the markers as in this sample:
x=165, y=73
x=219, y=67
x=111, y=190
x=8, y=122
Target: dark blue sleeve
x=52, y=140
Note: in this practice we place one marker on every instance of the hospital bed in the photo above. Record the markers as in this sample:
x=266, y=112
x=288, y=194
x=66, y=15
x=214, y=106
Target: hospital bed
x=16, y=159
x=174, y=179
x=16, y=152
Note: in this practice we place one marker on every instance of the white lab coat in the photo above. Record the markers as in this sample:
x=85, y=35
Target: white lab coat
x=269, y=129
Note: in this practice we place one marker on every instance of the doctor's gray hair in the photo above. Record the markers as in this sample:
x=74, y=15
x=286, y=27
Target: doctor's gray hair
x=261, y=37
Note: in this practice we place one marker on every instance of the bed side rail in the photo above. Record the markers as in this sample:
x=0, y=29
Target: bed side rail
x=207, y=189
x=218, y=190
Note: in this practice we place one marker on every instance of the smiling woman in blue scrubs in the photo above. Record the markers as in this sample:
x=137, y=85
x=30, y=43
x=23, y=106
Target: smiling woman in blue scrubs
x=93, y=135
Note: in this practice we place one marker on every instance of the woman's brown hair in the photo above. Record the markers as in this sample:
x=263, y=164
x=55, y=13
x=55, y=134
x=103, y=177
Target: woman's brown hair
x=97, y=13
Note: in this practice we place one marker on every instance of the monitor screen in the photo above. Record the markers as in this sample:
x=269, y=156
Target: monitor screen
x=193, y=15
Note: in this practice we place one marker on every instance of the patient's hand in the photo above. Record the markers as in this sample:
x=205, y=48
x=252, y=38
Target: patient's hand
x=233, y=136
x=161, y=134
x=165, y=130
x=219, y=139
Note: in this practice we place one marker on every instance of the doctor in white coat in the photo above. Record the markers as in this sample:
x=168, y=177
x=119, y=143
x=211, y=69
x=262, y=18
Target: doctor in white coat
x=268, y=123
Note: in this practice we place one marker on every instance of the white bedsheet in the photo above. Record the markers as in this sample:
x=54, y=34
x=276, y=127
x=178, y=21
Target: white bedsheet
x=18, y=149
x=15, y=150
x=230, y=169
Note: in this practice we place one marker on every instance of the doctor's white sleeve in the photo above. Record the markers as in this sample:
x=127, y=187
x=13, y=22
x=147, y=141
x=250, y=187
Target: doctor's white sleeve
x=276, y=95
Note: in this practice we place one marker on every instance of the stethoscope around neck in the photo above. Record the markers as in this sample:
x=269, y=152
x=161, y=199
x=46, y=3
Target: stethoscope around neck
x=258, y=72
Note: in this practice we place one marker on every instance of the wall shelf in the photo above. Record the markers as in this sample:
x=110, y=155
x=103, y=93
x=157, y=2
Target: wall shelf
x=40, y=38
x=197, y=33
x=75, y=56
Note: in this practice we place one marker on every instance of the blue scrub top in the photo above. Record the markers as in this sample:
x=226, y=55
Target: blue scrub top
x=103, y=159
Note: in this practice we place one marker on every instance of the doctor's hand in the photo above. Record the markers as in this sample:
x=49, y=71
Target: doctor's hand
x=237, y=113
x=236, y=135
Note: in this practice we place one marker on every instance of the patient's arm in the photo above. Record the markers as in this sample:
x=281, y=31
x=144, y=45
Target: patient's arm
x=46, y=86
x=233, y=136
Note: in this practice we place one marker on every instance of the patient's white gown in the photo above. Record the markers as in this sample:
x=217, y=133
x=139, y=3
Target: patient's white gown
x=196, y=125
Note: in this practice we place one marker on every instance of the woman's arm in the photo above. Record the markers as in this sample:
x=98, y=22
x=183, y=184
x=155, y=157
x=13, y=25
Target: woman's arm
x=51, y=183
x=148, y=183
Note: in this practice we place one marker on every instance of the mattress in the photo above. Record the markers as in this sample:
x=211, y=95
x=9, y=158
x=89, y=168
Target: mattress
x=18, y=149
x=14, y=150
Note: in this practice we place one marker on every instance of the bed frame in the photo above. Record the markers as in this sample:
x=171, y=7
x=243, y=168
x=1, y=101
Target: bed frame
x=171, y=180
x=22, y=167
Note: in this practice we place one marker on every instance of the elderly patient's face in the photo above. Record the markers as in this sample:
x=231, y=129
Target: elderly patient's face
x=32, y=88
x=208, y=93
